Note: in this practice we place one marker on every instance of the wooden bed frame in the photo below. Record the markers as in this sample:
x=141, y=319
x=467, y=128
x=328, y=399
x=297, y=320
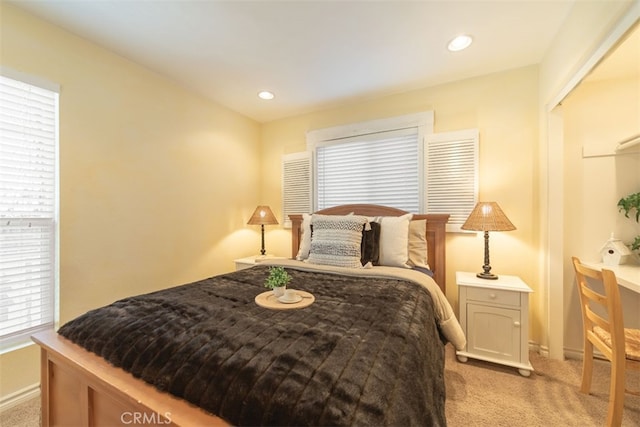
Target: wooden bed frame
x=79, y=388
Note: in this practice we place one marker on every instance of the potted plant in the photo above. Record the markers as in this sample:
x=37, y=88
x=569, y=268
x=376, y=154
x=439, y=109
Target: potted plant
x=628, y=205
x=277, y=280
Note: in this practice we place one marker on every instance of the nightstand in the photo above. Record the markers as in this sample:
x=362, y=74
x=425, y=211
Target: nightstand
x=494, y=315
x=250, y=261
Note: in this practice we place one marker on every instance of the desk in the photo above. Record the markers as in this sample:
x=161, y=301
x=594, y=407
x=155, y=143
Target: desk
x=628, y=275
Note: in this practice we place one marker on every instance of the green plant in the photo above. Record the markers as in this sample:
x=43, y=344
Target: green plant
x=278, y=276
x=628, y=205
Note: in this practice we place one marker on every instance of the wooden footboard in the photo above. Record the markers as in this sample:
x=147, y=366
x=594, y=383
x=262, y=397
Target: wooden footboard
x=80, y=388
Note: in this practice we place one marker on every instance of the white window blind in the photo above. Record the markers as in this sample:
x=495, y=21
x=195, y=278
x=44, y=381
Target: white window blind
x=28, y=209
x=451, y=178
x=296, y=185
x=381, y=168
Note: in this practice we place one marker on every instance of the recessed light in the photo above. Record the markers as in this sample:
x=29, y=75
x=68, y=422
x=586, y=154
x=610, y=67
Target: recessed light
x=266, y=95
x=459, y=43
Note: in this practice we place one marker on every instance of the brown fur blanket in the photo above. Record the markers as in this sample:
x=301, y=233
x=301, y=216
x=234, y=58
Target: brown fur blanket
x=367, y=352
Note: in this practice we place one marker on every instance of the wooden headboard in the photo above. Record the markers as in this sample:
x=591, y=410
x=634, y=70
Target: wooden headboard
x=436, y=228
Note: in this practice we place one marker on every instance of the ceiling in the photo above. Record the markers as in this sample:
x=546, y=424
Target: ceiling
x=312, y=54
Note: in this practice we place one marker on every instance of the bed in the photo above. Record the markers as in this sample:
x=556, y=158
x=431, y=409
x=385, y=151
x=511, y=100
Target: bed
x=368, y=351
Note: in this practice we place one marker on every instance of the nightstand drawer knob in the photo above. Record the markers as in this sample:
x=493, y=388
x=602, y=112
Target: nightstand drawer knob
x=492, y=296
x=516, y=324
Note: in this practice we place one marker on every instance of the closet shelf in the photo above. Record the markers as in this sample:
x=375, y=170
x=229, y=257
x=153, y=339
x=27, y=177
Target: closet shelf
x=620, y=149
x=629, y=142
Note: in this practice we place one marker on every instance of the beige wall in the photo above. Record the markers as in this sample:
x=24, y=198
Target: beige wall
x=503, y=107
x=156, y=183
x=597, y=116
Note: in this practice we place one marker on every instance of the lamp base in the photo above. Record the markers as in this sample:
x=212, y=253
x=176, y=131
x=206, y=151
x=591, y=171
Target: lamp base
x=485, y=275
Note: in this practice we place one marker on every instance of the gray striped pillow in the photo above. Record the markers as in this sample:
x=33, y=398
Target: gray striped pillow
x=336, y=240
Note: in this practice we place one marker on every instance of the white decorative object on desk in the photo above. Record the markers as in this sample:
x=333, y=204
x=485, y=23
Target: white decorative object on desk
x=615, y=252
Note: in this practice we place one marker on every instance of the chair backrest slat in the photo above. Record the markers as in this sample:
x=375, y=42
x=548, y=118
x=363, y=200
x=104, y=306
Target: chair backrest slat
x=594, y=296
x=612, y=319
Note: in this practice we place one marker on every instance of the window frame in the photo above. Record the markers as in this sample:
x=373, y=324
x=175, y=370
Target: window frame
x=21, y=338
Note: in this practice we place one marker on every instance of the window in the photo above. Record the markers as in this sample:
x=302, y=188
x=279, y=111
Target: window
x=374, y=162
x=381, y=168
x=28, y=209
x=395, y=162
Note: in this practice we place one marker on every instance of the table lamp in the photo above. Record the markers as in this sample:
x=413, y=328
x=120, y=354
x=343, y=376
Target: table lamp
x=487, y=216
x=262, y=216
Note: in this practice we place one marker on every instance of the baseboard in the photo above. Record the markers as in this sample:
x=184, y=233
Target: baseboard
x=20, y=396
x=568, y=353
x=537, y=348
x=575, y=354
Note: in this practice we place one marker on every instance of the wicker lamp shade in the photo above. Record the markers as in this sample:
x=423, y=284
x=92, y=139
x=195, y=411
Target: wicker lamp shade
x=487, y=216
x=262, y=216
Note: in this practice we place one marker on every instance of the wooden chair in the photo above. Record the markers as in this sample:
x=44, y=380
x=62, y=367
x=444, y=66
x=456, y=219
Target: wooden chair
x=621, y=346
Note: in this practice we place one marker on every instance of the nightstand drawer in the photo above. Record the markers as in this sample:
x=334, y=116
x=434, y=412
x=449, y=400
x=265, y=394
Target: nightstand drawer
x=494, y=296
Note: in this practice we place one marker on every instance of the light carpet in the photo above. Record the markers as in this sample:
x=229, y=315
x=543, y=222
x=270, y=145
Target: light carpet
x=485, y=394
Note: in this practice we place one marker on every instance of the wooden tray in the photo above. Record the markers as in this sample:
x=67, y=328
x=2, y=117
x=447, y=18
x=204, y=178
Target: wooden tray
x=268, y=300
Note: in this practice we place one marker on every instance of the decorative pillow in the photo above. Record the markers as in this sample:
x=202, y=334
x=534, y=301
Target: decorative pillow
x=418, y=244
x=370, y=247
x=336, y=240
x=394, y=240
x=305, y=238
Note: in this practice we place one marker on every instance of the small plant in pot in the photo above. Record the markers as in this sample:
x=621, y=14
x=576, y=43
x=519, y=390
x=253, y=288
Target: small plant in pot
x=628, y=205
x=277, y=280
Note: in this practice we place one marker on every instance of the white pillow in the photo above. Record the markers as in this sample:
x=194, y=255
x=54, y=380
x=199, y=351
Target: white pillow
x=418, y=252
x=336, y=240
x=394, y=240
x=305, y=238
